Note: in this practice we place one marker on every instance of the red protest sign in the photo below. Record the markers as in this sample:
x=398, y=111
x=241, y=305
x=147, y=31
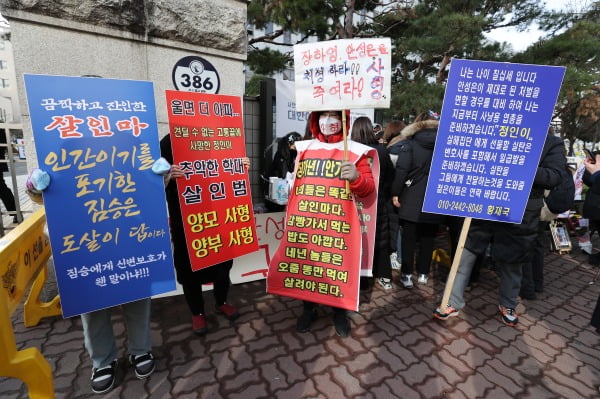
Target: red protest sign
x=320, y=255
x=208, y=144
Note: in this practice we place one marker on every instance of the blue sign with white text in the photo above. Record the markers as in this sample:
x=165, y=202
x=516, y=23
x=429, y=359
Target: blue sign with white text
x=493, y=125
x=105, y=208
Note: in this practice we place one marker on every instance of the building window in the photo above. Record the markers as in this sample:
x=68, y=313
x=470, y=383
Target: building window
x=3, y=64
x=269, y=28
x=287, y=37
x=4, y=83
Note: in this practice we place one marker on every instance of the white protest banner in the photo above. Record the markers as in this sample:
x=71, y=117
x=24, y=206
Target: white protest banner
x=343, y=74
x=287, y=118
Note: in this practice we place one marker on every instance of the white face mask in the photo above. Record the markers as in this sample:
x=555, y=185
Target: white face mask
x=330, y=125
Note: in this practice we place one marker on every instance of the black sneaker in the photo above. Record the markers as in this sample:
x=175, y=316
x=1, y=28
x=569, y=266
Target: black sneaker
x=103, y=378
x=305, y=320
x=342, y=324
x=594, y=259
x=528, y=295
x=143, y=364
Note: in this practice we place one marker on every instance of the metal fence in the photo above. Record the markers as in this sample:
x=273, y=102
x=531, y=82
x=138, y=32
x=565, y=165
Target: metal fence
x=12, y=155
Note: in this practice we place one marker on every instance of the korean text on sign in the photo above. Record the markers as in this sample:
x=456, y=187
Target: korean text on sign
x=207, y=138
x=98, y=139
x=343, y=74
x=493, y=126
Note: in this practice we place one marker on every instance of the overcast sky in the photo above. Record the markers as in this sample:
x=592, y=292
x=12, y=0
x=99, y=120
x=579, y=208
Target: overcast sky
x=521, y=40
x=518, y=40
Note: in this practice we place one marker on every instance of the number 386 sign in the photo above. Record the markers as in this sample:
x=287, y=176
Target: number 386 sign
x=196, y=74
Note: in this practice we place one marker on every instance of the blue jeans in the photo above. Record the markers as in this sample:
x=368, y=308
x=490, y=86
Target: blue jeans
x=99, y=336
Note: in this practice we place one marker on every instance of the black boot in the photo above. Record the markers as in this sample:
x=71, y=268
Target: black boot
x=341, y=323
x=306, y=319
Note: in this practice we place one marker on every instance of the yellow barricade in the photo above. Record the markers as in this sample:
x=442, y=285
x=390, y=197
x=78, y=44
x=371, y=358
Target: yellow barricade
x=24, y=253
x=441, y=257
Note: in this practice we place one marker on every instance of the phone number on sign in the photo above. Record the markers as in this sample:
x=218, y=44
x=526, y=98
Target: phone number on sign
x=460, y=206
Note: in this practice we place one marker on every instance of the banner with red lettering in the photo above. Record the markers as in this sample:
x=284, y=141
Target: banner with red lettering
x=343, y=74
x=322, y=249
x=367, y=215
x=98, y=139
x=207, y=136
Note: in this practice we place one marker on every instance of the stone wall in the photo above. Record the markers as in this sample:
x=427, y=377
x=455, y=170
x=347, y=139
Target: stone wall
x=125, y=39
x=217, y=24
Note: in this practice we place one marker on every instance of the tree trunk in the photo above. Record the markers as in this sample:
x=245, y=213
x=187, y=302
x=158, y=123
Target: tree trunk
x=347, y=31
x=445, y=61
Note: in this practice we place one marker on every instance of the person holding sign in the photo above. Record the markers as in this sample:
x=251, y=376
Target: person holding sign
x=314, y=166
x=190, y=280
x=512, y=244
x=98, y=334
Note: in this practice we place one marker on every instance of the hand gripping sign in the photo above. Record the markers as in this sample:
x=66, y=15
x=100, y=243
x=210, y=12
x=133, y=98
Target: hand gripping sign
x=492, y=130
x=325, y=242
x=98, y=139
x=329, y=233
x=207, y=137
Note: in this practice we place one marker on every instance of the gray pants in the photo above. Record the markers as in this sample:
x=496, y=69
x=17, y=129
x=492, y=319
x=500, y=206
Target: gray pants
x=467, y=261
x=510, y=281
x=99, y=336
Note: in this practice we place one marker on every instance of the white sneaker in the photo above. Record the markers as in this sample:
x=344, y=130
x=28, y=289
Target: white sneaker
x=422, y=279
x=394, y=261
x=386, y=283
x=406, y=281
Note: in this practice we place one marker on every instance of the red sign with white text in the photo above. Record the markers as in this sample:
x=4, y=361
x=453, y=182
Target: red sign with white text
x=208, y=143
x=320, y=255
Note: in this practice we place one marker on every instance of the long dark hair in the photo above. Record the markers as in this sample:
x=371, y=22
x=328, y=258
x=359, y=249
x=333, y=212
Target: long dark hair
x=362, y=131
x=284, y=143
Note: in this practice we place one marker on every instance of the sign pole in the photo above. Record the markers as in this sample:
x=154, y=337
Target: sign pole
x=455, y=262
x=345, y=135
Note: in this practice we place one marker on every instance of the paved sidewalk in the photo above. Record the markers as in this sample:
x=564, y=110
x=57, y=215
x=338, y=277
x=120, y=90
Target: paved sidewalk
x=396, y=349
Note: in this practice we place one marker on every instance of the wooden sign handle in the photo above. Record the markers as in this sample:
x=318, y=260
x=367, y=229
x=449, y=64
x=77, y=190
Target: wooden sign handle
x=455, y=263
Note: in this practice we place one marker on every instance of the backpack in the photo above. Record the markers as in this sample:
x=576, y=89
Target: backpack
x=561, y=198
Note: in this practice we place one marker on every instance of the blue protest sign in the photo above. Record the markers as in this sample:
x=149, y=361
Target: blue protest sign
x=494, y=122
x=106, y=210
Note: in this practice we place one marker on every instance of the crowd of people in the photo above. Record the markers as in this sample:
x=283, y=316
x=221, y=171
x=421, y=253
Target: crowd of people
x=404, y=236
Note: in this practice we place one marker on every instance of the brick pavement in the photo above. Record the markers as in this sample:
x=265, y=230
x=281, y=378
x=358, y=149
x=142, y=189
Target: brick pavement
x=396, y=350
